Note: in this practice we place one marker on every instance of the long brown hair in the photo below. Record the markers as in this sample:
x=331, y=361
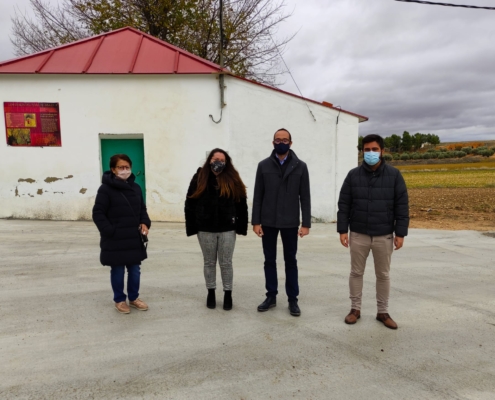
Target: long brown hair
x=229, y=181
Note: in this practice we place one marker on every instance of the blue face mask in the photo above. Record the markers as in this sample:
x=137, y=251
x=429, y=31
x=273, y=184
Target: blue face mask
x=372, y=157
x=281, y=148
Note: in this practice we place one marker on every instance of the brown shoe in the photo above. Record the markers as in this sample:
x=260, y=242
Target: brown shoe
x=352, y=317
x=387, y=320
x=139, y=304
x=122, y=307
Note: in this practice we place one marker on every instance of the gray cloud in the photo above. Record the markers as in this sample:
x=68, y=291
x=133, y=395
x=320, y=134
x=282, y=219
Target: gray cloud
x=405, y=66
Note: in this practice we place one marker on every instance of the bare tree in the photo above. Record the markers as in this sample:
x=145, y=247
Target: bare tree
x=251, y=48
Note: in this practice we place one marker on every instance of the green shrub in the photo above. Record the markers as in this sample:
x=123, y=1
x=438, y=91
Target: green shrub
x=405, y=157
x=434, y=155
x=460, y=154
x=396, y=156
x=482, y=148
x=443, y=150
x=441, y=155
x=415, y=156
x=467, y=150
x=450, y=154
x=387, y=157
x=486, y=153
x=431, y=151
x=426, y=156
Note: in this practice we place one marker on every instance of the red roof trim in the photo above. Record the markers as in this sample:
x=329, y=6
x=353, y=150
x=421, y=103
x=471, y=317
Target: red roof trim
x=176, y=62
x=134, y=59
x=93, y=55
x=42, y=64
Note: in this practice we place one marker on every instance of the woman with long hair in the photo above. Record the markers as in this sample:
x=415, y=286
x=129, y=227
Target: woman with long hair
x=216, y=210
x=121, y=217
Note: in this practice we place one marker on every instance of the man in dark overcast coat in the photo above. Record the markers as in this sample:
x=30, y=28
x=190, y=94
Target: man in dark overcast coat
x=281, y=195
x=373, y=202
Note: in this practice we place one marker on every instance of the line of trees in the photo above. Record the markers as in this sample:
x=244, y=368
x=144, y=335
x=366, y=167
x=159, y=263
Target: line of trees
x=251, y=48
x=406, y=142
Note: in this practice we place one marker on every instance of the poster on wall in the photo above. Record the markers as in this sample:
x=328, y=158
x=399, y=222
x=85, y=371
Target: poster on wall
x=32, y=124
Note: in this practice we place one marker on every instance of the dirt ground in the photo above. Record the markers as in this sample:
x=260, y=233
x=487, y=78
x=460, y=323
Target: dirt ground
x=453, y=208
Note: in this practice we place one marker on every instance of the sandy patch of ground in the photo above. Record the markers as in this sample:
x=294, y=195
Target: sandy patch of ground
x=453, y=208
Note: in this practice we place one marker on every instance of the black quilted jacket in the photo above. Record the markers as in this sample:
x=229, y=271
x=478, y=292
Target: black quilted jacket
x=374, y=203
x=213, y=213
x=120, y=241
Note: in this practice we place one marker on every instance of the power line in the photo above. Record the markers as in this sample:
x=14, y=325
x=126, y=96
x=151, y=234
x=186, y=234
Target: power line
x=290, y=73
x=432, y=3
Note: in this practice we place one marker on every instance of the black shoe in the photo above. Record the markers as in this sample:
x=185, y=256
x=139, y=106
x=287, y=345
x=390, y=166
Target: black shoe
x=211, y=301
x=227, y=300
x=294, y=308
x=270, y=302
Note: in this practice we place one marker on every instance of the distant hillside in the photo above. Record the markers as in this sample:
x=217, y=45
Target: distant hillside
x=488, y=143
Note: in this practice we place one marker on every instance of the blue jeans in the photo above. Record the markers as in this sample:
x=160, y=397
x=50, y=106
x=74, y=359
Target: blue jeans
x=117, y=279
x=289, y=241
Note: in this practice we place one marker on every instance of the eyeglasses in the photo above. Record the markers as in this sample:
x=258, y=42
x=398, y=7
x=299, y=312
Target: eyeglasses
x=123, y=168
x=284, y=141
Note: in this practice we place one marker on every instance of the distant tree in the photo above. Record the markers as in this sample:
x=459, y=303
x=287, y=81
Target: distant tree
x=395, y=142
x=433, y=139
x=417, y=140
x=407, y=141
x=360, y=143
x=251, y=48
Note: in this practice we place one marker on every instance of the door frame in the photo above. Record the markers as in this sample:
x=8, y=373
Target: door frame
x=119, y=136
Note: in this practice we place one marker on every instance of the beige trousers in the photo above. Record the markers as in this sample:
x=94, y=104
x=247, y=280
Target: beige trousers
x=382, y=248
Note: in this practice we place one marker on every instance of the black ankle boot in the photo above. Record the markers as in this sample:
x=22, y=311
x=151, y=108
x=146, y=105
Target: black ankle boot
x=227, y=300
x=211, y=302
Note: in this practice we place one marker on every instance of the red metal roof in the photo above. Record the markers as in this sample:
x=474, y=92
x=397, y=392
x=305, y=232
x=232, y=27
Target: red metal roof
x=123, y=51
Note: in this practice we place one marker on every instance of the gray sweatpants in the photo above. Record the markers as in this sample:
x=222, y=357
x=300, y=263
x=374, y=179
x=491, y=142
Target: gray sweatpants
x=219, y=245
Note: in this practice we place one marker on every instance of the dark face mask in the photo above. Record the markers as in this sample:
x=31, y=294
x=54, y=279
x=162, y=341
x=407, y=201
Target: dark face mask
x=281, y=148
x=217, y=166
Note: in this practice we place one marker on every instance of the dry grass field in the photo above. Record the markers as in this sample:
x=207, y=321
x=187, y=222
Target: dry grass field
x=452, y=196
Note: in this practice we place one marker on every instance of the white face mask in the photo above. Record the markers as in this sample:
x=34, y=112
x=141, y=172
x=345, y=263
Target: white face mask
x=124, y=174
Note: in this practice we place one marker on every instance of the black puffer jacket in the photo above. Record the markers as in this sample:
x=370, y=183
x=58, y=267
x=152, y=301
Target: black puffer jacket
x=118, y=225
x=213, y=213
x=374, y=203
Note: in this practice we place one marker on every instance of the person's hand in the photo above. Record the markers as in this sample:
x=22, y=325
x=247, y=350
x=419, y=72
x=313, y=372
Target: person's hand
x=303, y=232
x=398, y=242
x=144, y=229
x=344, y=239
x=257, y=229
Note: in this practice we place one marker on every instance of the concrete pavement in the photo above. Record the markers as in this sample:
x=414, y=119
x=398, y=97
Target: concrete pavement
x=60, y=337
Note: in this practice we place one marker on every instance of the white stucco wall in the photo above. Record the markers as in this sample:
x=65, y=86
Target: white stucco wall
x=171, y=112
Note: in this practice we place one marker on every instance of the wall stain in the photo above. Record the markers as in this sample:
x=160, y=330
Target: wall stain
x=52, y=179
x=69, y=176
x=59, y=192
x=28, y=180
x=83, y=190
x=40, y=191
x=30, y=195
x=17, y=192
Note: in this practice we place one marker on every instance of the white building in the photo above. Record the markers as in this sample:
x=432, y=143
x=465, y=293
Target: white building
x=125, y=91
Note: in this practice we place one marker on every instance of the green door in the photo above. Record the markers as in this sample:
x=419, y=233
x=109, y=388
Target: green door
x=134, y=148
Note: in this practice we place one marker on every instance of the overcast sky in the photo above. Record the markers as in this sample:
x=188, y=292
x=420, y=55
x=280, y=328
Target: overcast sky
x=413, y=67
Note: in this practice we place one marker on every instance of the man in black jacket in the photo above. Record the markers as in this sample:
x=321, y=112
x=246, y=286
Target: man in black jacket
x=281, y=193
x=374, y=203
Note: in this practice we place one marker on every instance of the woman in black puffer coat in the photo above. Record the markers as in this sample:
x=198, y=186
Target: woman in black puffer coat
x=120, y=215
x=216, y=210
